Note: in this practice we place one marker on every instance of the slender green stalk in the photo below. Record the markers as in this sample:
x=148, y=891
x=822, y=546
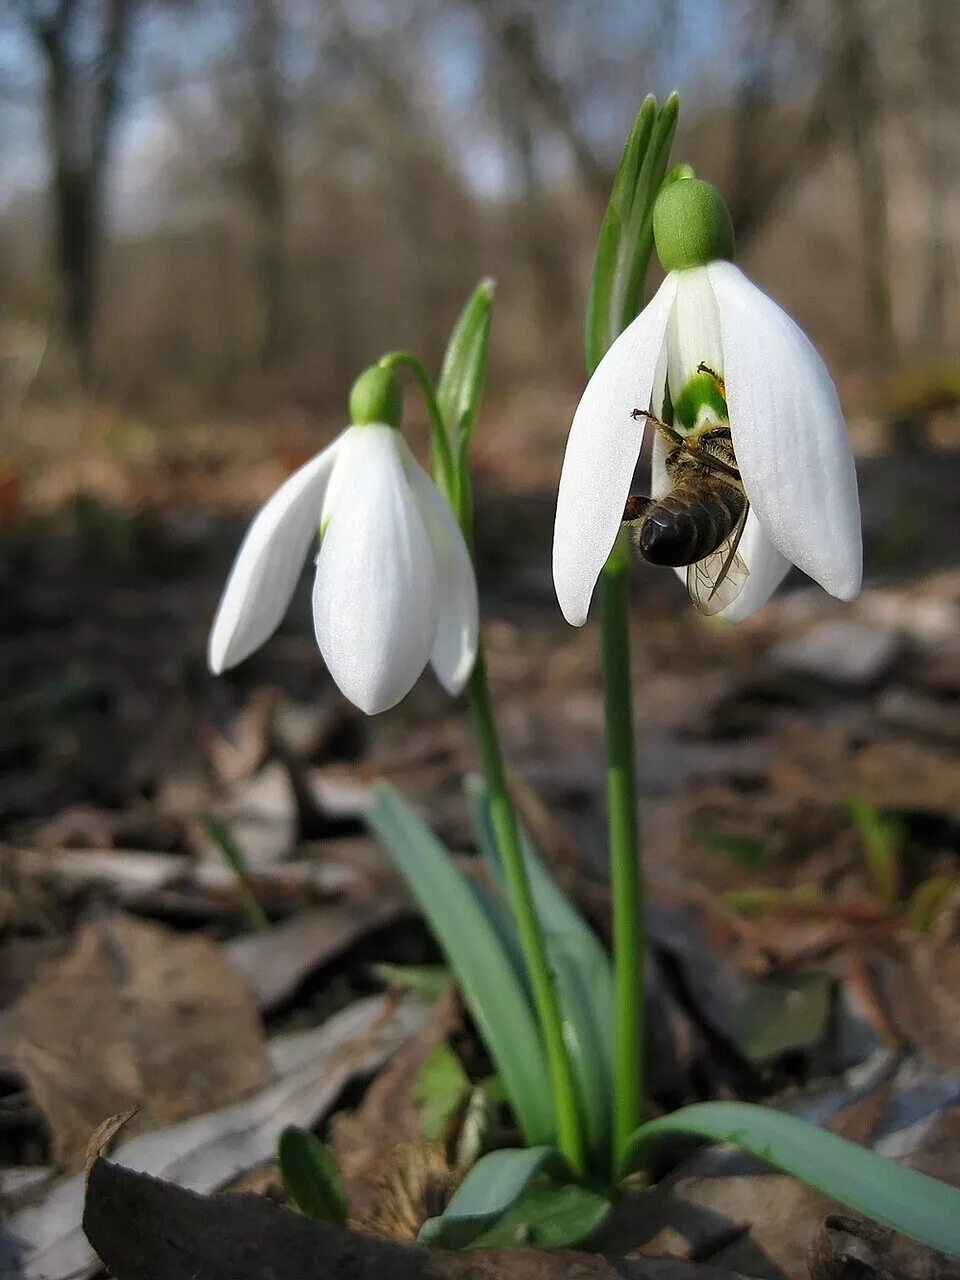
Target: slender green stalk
x=233, y=856
x=569, y=1135
x=626, y=882
x=529, y=932
x=441, y=457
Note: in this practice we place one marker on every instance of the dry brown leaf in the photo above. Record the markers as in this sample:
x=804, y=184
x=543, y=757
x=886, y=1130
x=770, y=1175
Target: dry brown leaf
x=848, y=1248
x=135, y=1015
x=917, y=984
x=388, y=1117
x=104, y=1134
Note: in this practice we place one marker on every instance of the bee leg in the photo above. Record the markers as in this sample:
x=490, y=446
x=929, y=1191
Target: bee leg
x=636, y=507
x=721, y=385
x=672, y=437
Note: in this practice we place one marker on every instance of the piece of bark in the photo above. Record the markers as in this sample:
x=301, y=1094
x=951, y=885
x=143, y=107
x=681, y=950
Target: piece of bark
x=848, y=1248
x=145, y=1229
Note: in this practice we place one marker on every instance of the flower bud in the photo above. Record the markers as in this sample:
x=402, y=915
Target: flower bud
x=376, y=398
x=691, y=225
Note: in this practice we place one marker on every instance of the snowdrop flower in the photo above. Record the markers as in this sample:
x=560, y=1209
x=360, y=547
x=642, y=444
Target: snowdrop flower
x=720, y=362
x=394, y=587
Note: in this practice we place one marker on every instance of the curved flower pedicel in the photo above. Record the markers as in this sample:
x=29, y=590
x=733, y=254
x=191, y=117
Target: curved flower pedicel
x=711, y=349
x=394, y=588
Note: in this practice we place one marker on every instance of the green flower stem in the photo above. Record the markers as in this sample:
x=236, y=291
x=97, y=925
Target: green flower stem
x=441, y=457
x=456, y=489
x=626, y=883
x=569, y=1135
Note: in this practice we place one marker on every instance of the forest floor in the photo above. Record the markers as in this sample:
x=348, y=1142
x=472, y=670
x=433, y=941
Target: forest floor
x=800, y=787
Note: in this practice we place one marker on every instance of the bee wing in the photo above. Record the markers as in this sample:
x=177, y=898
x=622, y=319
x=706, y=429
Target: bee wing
x=717, y=579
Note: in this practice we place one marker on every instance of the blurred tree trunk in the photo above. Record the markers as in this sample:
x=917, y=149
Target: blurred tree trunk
x=756, y=93
x=769, y=152
x=862, y=118
x=514, y=31
x=264, y=173
x=936, y=162
x=81, y=109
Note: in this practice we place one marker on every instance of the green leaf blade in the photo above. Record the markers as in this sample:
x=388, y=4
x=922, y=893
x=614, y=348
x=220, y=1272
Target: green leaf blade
x=311, y=1177
x=493, y=1185
x=441, y=1091
x=488, y=980
x=582, y=970
x=919, y=1206
x=551, y=1215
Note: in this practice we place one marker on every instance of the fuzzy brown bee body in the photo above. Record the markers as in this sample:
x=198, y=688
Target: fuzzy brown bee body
x=698, y=513
x=698, y=522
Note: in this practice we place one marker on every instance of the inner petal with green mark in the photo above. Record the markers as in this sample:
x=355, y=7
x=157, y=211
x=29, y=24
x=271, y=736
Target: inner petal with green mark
x=701, y=398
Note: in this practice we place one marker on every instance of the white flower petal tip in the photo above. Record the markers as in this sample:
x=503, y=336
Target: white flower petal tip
x=601, y=454
x=268, y=564
x=458, y=626
x=767, y=567
x=375, y=599
x=789, y=435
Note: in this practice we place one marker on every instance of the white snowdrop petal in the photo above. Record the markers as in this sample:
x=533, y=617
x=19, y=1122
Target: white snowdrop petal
x=767, y=568
x=269, y=562
x=455, y=648
x=375, y=594
x=659, y=484
x=602, y=451
x=789, y=435
x=693, y=334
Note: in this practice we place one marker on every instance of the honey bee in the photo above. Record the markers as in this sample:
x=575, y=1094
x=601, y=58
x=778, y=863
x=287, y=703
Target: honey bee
x=700, y=520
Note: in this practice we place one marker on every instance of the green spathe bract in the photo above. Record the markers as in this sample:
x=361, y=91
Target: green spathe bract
x=376, y=398
x=691, y=225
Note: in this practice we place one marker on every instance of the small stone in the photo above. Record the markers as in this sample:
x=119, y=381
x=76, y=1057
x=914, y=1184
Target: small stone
x=851, y=654
x=924, y=716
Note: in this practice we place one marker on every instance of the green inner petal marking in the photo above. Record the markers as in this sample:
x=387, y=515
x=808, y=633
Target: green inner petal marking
x=700, y=393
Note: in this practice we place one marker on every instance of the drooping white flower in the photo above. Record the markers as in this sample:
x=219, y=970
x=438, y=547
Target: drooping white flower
x=394, y=587
x=785, y=421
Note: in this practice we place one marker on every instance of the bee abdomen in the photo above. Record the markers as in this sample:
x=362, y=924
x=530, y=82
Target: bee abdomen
x=677, y=531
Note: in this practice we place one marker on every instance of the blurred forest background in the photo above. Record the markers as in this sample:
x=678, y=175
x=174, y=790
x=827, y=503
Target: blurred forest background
x=215, y=207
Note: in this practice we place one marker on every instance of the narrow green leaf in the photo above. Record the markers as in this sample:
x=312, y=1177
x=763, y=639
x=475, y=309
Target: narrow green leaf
x=581, y=967
x=425, y=981
x=740, y=849
x=490, y=1188
x=441, y=1091
x=489, y=983
x=928, y=899
x=221, y=836
x=311, y=1177
x=753, y=901
x=549, y=1215
x=626, y=235
x=460, y=385
x=921, y=1207
x=883, y=841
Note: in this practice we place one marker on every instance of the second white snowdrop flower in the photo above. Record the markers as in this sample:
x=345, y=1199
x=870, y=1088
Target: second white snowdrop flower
x=394, y=586
x=752, y=469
